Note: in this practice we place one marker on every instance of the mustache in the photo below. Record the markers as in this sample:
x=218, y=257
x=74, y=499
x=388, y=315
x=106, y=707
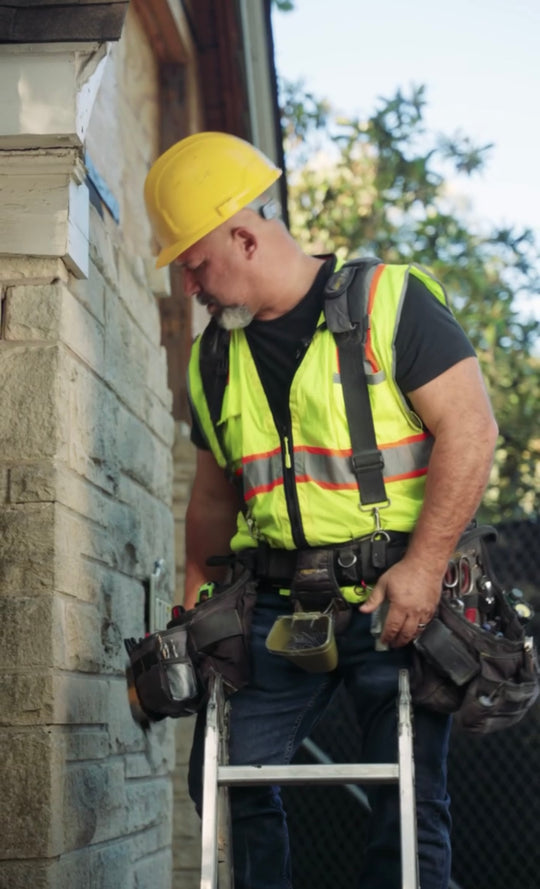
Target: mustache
x=204, y=299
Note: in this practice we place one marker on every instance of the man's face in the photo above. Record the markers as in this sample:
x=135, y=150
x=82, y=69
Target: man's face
x=213, y=273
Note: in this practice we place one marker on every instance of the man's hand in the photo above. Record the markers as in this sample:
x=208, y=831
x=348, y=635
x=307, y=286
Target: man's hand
x=454, y=406
x=413, y=593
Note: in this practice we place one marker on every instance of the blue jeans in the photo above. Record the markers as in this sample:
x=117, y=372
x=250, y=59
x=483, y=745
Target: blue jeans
x=271, y=717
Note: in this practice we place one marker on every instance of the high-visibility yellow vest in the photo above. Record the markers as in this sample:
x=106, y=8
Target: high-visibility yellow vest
x=299, y=481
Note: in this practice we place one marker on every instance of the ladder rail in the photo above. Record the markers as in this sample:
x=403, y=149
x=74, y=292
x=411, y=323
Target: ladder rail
x=209, y=834
x=215, y=856
x=407, y=801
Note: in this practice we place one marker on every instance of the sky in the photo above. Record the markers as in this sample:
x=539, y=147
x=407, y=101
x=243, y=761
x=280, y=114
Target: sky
x=478, y=59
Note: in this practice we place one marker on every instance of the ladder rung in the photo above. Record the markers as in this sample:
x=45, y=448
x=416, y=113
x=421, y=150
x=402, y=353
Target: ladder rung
x=337, y=773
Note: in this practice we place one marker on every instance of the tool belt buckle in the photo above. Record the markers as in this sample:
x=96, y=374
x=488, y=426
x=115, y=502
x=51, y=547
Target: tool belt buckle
x=315, y=589
x=314, y=584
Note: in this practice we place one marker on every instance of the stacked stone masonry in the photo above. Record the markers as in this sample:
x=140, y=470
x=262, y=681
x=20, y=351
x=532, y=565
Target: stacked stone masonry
x=86, y=442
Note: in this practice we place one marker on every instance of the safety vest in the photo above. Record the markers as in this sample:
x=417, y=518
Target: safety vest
x=297, y=482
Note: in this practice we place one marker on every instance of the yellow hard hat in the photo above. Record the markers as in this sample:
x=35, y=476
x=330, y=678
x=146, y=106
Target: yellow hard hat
x=199, y=183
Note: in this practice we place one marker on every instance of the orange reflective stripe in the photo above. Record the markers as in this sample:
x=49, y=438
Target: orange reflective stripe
x=417, y=473
x=334, y=452
x=263, y=489
x=262, y=456
x=369, y=353
x=409, y=439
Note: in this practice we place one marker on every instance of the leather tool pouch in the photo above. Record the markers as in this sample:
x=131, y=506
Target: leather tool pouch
x=170, y=669
x=485, y=672
x=162, y=678
x=315, y=588
x=219, y=633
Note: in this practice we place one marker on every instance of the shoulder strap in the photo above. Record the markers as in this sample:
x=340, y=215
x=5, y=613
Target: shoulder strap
x=214, y=369
x=345, y=309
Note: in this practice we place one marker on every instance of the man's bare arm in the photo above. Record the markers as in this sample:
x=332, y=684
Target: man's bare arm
x=210, y=523
x=456, y=409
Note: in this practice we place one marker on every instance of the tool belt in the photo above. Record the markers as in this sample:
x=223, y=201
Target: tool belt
x=320, y=570
x=474, y=659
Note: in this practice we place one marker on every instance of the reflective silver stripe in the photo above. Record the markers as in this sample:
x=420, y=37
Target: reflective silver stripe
x=406, y=459
x=333, y=469
x=372, y=378
x=262, y=473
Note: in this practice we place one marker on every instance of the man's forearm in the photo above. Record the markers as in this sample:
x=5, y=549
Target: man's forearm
x=456, y=408
x=458, y=474
x=209, y=529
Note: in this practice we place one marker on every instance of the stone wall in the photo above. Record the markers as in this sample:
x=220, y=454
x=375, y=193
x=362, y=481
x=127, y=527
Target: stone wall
x=85, y=510
x=186, y=823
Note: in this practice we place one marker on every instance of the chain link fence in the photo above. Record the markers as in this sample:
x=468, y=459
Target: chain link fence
x=494, y=780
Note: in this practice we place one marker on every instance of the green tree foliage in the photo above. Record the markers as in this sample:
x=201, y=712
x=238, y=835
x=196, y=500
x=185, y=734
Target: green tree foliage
x=384, y=186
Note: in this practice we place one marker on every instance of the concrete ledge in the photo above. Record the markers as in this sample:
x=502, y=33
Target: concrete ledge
x=45, y=204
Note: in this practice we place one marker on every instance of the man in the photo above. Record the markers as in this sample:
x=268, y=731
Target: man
x=283, y=433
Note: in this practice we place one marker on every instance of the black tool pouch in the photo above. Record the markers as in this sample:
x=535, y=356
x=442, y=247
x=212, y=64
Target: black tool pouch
x=169, y=671
x=488, y=679
x=162, y=678
x=219, y=633
x=315, y=588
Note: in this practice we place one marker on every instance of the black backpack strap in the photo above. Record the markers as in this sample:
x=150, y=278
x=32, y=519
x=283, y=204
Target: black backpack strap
x=214, y=369
x=345, y=308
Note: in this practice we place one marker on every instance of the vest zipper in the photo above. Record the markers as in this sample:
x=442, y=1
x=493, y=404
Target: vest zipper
x=289, y=488
x=288, y=461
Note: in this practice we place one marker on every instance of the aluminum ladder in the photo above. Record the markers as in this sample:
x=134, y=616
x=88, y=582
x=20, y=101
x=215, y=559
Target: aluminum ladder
x=216, y=854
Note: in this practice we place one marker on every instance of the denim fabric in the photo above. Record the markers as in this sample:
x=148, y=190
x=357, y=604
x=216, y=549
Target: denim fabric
x=271, y=717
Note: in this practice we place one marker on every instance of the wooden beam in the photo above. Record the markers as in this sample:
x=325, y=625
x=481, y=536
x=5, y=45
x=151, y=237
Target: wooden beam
x=218, y=36
x=162, y=30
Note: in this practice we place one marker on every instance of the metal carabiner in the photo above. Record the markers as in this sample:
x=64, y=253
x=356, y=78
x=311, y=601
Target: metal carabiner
x=458, y=577
x=464, y=575
x=450, y=579
x=379, y=533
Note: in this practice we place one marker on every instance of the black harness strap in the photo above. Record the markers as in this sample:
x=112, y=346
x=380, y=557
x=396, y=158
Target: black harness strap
x=346, y=301
x=366, y=459
x=214, y=367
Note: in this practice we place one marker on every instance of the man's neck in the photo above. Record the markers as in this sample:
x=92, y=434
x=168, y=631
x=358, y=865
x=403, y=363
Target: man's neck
x=290, y=284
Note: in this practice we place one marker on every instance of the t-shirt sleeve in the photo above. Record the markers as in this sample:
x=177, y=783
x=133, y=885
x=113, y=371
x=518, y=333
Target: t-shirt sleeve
x=429, y=340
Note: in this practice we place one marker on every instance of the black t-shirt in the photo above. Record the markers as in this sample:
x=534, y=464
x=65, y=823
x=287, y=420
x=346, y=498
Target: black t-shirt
x=428, y=341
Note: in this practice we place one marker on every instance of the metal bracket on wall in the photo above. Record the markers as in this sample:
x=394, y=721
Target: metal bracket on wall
x=158, y=606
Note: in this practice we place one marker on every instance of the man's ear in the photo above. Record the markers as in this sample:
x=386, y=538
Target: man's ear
x=246, y=239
